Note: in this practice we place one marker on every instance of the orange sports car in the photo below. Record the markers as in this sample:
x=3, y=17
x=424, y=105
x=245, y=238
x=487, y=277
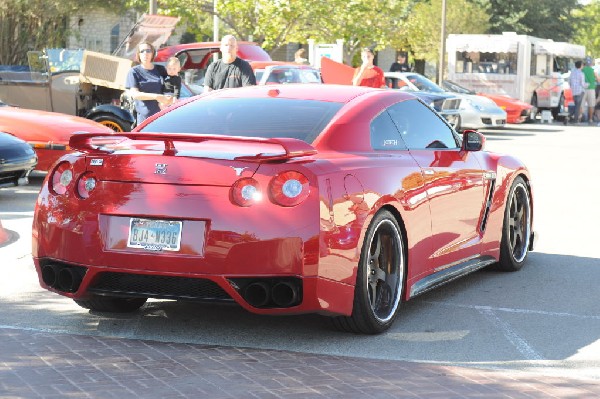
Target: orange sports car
x=47, y=132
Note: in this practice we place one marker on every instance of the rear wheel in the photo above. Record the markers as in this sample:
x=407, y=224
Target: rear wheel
x=112, y=122
x=516, y=230
x=111, y=304
x=380, y=279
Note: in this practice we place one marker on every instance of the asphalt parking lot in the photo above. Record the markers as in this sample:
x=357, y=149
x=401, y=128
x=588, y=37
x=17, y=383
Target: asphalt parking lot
x=531, y=334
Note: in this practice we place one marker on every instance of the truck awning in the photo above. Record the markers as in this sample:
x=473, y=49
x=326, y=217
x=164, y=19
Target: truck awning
x=488, y=44
x=560, y=49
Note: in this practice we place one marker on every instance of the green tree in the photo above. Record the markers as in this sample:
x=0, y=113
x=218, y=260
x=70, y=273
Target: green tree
x=422, y=30
x=587, y=29
x=548, y=19
x=273, y=24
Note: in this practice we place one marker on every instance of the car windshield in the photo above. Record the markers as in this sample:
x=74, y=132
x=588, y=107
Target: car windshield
x=249, y=117
x=61, y=60
x=455, y=87
x=424, y=84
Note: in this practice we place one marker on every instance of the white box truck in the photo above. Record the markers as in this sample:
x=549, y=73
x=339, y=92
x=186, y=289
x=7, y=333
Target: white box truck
x=531, y=69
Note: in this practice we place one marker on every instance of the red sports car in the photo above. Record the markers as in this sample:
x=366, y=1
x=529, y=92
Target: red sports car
x=47, y=132
x=285, y=199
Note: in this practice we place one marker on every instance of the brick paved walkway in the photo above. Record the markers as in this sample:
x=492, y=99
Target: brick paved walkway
x=44, y=365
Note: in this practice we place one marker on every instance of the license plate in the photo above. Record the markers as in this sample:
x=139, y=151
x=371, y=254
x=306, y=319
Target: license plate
x=154, y=235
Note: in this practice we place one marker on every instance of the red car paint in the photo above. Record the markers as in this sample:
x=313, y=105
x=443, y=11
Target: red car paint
x=517, y=111
x=47, y=132
x=439, y=197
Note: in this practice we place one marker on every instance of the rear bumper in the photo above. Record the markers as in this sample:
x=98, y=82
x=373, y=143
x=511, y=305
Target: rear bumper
x=283, y=294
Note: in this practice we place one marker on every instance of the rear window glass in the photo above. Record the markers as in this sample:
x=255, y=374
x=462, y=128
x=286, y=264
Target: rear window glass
x=249, y=117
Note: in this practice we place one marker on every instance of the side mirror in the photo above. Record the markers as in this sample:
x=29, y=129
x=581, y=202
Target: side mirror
x=473, y=140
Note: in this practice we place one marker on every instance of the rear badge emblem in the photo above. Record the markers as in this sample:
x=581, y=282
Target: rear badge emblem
x=96, y=162
x=238, y=171
x=161, y=169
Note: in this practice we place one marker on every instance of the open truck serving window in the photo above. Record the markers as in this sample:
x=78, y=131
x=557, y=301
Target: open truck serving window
x=531, y=69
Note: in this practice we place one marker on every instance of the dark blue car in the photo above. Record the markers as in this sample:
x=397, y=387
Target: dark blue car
x=17, y=160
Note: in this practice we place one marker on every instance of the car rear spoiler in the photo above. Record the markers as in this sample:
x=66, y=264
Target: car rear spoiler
x=93, y=143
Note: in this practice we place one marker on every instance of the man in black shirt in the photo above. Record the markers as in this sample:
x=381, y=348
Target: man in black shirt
x=401, y=65
x=230, y=71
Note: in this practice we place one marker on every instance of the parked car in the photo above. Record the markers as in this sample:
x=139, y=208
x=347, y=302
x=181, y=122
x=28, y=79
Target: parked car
x=73, y=82
x=285, y=199
x=275, y=72
x=517, y=111
x=47, y=132
x=196, y=57
x=17, y=160
x=476, y=112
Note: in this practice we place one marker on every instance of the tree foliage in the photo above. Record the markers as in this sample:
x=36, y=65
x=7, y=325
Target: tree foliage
x=587, y=29
x=404, y=24
x=423, y=29
x=33, y=24
x=548, y=19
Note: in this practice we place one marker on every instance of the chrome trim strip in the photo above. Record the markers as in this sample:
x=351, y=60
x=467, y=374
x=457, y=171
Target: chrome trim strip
x=450, y=273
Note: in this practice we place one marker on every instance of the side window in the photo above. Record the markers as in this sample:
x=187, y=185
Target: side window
x=421, y=127
x=385, y=135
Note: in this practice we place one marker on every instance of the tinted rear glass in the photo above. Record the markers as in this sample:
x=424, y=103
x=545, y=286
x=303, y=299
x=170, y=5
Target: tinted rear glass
x=249, y=117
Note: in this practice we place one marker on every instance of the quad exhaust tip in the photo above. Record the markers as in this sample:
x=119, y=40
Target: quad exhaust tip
x=270, y=294
x=63, y=278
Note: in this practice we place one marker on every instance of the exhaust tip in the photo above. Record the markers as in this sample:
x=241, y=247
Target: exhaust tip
x=257, y=294
x=69, y=279
x=284, y=294
x=50, y=275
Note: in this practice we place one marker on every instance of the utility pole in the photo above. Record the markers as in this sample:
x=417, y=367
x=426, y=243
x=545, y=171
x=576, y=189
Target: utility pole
x=215, y=22
x=153, y=7
x=441, y=64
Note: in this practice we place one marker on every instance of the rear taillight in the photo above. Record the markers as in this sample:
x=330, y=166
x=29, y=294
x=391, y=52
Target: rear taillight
x=289, y=188
x=61, y=179
x=85, y=185
x=245, y=192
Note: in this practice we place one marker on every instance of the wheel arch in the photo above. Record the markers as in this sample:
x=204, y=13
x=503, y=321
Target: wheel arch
x=398, y=216
x=111, y=110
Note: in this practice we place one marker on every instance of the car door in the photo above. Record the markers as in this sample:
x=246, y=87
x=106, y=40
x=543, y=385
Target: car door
x=454, y=182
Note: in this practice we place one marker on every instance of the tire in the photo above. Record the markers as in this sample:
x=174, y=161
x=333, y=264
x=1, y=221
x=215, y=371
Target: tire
x=516, y=228
x=380, y=279
x=111, y=304
x=556, y=112
x=116, y=124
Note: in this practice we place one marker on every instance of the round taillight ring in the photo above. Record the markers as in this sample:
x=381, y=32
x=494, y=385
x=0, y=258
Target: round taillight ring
x=289, y=188
x=86, y=184
x=61, y=178
x=245, y=192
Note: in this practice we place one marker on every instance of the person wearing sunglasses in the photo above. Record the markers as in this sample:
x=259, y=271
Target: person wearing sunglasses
x=145, y=83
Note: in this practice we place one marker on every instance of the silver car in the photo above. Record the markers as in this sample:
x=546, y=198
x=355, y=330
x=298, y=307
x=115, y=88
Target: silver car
x=475, y=111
